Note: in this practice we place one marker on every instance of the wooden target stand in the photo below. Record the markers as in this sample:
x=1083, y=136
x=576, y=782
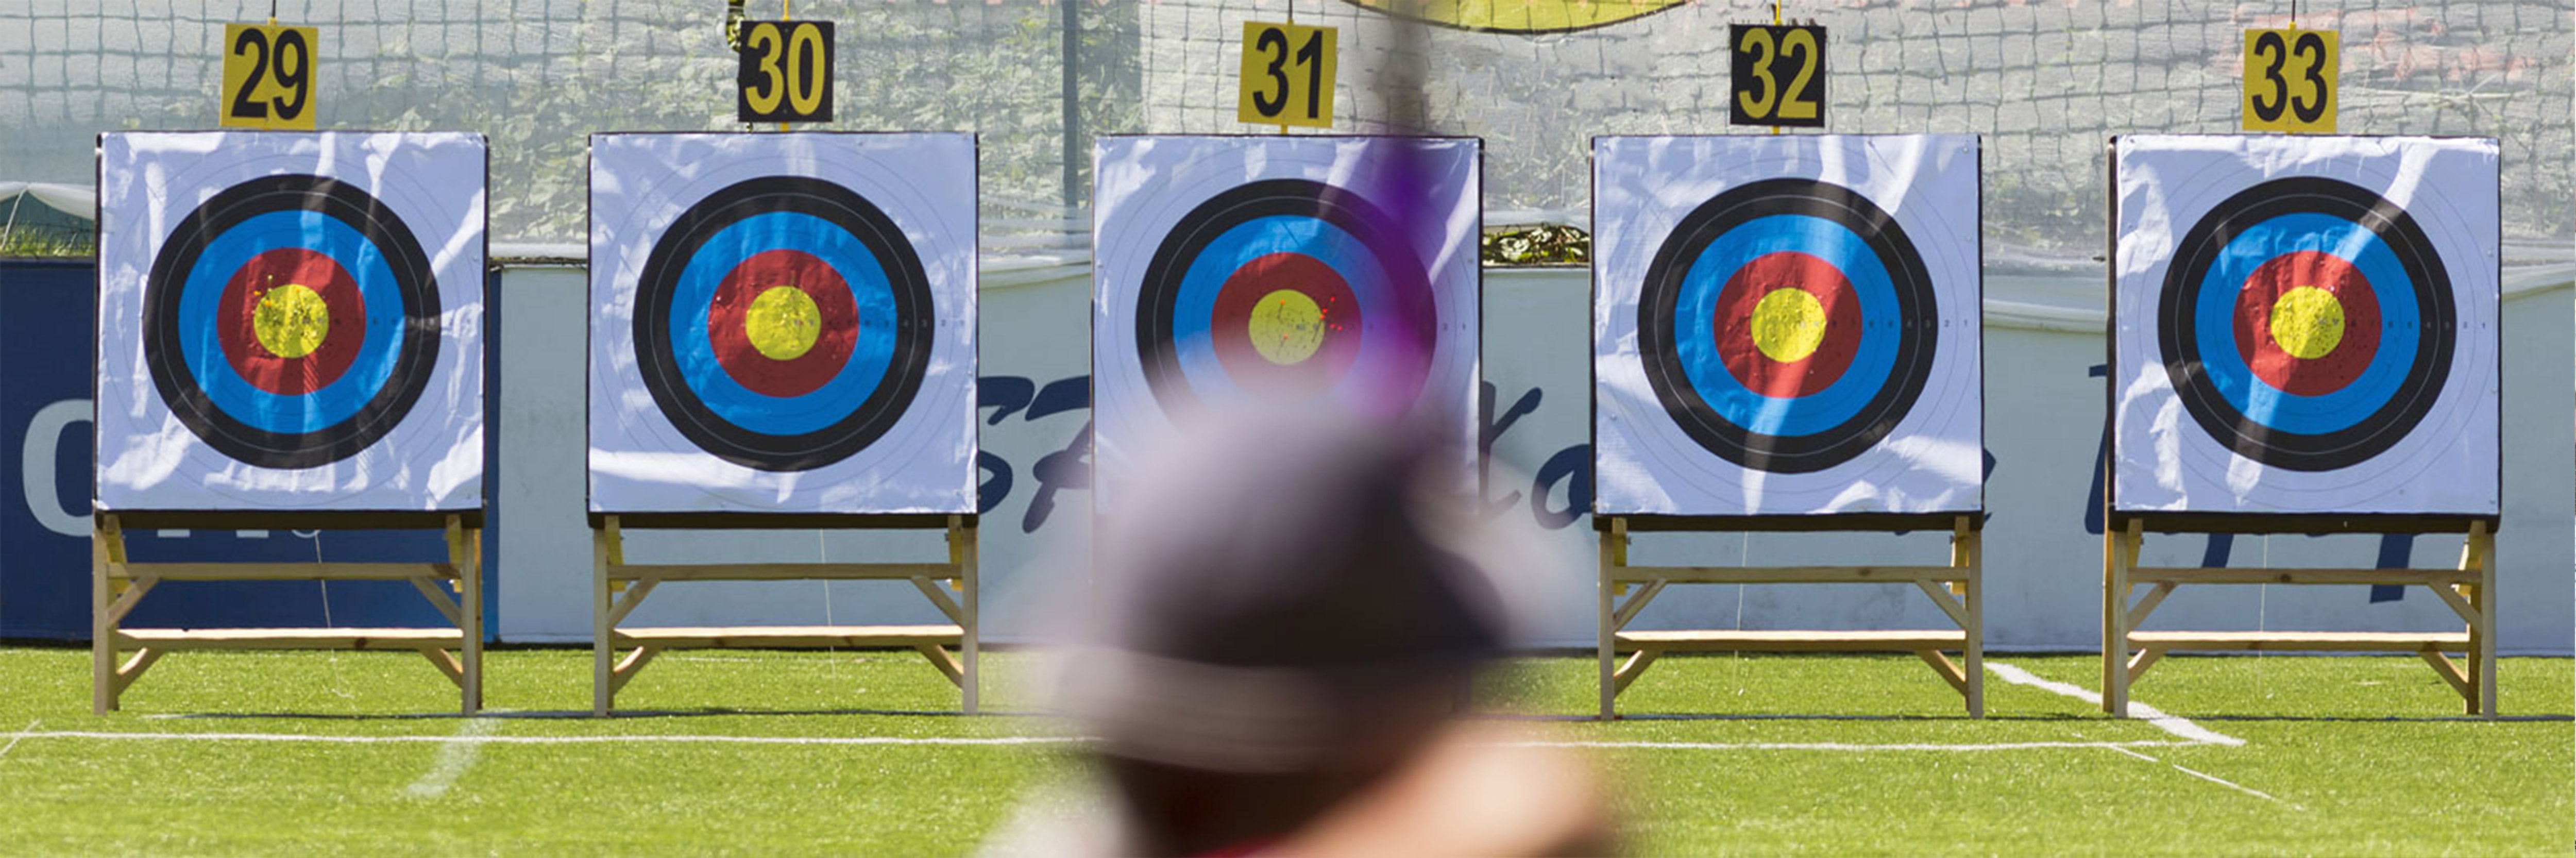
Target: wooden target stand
x=617, y=587
x=1954, y=587
x=117, y=585
x=2469, y=590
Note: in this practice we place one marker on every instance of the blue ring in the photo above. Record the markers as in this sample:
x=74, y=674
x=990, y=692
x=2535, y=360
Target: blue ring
x=1696, y=339
x=2215, y=314
x=1194, y=308
x=869, y=356
x=202, y=347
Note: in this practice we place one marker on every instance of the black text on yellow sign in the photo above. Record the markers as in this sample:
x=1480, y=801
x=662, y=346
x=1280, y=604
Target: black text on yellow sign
x=786, y=72
x=1287, y=75
x=1778, y=76
x=2290, y=80
x=268, y=77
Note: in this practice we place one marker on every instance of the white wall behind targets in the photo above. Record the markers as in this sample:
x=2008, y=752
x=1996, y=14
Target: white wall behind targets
x=2044, y=428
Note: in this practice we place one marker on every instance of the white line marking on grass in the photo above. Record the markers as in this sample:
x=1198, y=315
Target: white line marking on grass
x=21, y=734
x=467, y=740
x=2182, y=727
x=454, y=758
x=1849, y=747
x=2211, y=778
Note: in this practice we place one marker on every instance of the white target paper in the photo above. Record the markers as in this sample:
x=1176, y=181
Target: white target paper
x=812, y=346
x=2306, y=325
x=290, y=321
x=1235, y=269
x=1786, y=325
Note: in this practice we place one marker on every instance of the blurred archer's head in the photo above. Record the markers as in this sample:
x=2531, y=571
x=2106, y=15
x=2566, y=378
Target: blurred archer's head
x=1288, y=603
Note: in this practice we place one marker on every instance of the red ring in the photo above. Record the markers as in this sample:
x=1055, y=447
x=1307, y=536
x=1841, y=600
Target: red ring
x=2288, y=372
x=239, y=306
x=729, y=311
x=1230, y=322
x=1734, y=324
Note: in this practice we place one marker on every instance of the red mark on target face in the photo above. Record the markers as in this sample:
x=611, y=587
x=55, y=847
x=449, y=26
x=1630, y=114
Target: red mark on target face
x=1740, y=321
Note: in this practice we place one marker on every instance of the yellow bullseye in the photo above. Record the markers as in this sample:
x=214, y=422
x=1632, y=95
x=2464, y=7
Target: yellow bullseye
x=2307, y=322
x=291, y=321
x=1287, y=327
x=783, y=323
x=1788, y=324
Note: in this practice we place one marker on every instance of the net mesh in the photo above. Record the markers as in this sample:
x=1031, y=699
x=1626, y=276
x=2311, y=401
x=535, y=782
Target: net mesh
x=2045, y=81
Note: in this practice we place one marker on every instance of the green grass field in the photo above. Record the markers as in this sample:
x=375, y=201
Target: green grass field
x=1825, y=755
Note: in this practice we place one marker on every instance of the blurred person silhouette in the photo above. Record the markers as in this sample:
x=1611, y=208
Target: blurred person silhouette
x=1287, y=608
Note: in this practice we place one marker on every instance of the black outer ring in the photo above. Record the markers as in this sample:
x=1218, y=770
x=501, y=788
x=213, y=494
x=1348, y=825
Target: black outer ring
x=417, y=352
x=1158, y=298
x=656, y=289
x=2437, y=317
x=1918, y=331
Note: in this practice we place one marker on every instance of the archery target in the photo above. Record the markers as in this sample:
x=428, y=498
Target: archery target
x=290, y=321
x=1786, y=325
x=1256, y=269
x=785, y=322
x=2307, y=325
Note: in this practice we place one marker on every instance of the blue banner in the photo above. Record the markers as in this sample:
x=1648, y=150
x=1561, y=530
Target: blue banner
x=48, y=316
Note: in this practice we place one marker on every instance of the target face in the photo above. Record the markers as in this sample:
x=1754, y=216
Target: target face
x=1268, y=290
x=1236, y=270
x=1770, y=328
x=2307, y=324
x=782, y=322
x=1788, y=325
x=2319, y=325
x=290, y=320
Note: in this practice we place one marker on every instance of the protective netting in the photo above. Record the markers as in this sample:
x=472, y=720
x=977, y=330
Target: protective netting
x=537, y=76
x=2045, y=81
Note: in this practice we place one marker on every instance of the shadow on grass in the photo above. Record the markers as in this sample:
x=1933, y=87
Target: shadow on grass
x=586, y=715
x=1776, y=716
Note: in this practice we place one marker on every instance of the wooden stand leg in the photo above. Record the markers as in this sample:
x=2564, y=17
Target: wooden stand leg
x=2110, y=609
x=603, y=696
x=2121, y=550
x=1973, y=553
x=104, y=540
x=465, y=552
x=1610, y=543
x=967, y=558
x=2482, y=646
x=474, y=613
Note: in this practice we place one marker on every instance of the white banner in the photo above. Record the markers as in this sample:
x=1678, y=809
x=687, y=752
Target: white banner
x=290, y=321
x=2306, y=325
x=782, y=323
x=1330, y=269
x=1786, y=325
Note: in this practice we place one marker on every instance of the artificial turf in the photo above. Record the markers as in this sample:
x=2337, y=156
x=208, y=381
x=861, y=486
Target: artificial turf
x=2351, y=756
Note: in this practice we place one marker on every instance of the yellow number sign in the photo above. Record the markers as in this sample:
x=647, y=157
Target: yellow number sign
x=1287, y=75
x=1777, y=75
x=268, y=77
x=2290, y=80
x=786, y=72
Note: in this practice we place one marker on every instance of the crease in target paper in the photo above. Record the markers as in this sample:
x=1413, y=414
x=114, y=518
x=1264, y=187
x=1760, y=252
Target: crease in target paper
x=1337, y=271
x=1787, y=325
x=2306, y=325
x=782, y=323
x=290, y=321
